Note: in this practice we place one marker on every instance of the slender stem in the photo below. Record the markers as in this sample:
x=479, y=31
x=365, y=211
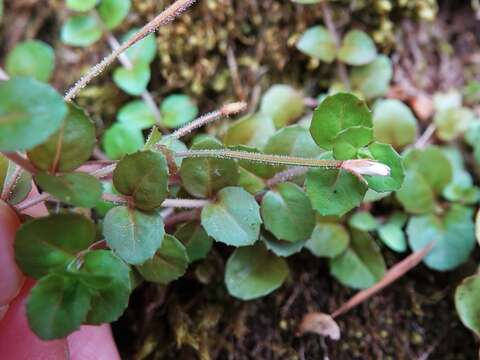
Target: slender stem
x=114, y=198
x=426, y=136
x=32, y=202
x=226, y=110
x=328, y=19
x=104, y=172
x=20, y=161
x=310, y=102
x=286, y=175
x=185, y=203
x=182, y=217
x=263, y=158
x=167, y=16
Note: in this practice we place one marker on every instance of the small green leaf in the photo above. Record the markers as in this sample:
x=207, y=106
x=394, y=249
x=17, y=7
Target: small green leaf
x=143, y=51
x=203, y=177
x=57, y=306
x=363, y=220
x=349, y=141
x=394, y=123
x=416, y=195
x=74, y=143
x=113, y=12
x=143, y=176
x=467, y=304
x=178, y=110
x=50, y=243
x=453, y=122
x=81, y=30
x=357, y=48
x=392, y=235
x=280, y=247
x=318, y=43
x=137, y=114
x=283, y=104
x=81, y=5
x=287, y=213
x=108, y=301
x=361, y=265
x=195, y=239
x=373, y=80
x=121, y=140
x=134, y=235
x=21, y=188
x=29, y=113
x=252, y=272
x=32, y=58
x=169, y=263
x=251, y=130
x=336, y=113
x=385, y=154
x=328, y=240
x=133, y=81
x=453, y=237
x=234, y=218
x=334, y=192
x=78, y=189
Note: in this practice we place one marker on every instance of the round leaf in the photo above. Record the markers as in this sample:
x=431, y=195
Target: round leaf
x=81, y=5
x=32, y=58
x=143, y=51
x=137, y=114
x=178, y=110
x=318, y=43
x=335, y=113
x=133, y=81
x=143, y=176
x=78, y=189
x=372, y=80
x=134, y=235
x=467, y=304
x=283, y=104
x=416, y=195
x=169, y=263
x=287, y=213
x=453, y=122
x=120, y=140
x=363, y=220
x=280, y=247
x=81, y=30
x=357, y=48
x=252, y=130
x=252, y=272
x=195, y=239
x=234, y=218
x=69, y=147
x=385, y=154
x=113, y=12
x=29, y=113
x=328, y=240
x=52, y=242
x=349, y=141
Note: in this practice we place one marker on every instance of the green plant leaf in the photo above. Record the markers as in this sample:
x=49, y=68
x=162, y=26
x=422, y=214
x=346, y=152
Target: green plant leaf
x=78, y=189
x=134, y=235
x=251, y=130
x=336, y=113
x=287, y=213
x=328, y=240
x=467, y=304
x=195, y=239
x=169, y=263
x=453, y=122
x=385, y=154
x=74, y=143
x=178, y=110
x=453, y=237
x=234, y=218
x=143, y=51
x=372, y=80
x=252, y=272
x=143, y=176
x=393, y=236
x=334, y=192
x=113, y=12
x=261, y=170
x=120, y=140
x=81, y=5
x=133, y=81
x=318, y=43
x=29, y=113
x=283, y=104
x=57, y=306
x=357, y=48
x=350, y=140
x=81, y=30
x=416, y=195
x=361, y=265
x=136, y=114
x=31, y=58
x=363, y=220
x=108, y=301
x=4, y=164
x=432, y=164
x=203, y=177
x=280, y=247
x=50, y=243
x=394, y=123
x=21, y=188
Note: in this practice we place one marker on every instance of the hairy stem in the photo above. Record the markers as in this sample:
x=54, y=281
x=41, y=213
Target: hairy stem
x=286, y=175
x=167, y=16
x=262, y=158
x=185, y=203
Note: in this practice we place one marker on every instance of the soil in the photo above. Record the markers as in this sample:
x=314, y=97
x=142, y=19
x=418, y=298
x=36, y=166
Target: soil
x=194, y=317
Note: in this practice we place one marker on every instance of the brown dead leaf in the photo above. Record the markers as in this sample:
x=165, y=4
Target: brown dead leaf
x=321, y=324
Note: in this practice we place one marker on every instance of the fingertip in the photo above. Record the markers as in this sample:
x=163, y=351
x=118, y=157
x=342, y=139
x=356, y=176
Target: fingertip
x=92, y=343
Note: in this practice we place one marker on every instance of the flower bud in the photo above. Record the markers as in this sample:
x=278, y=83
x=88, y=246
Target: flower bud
x=366, y=167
